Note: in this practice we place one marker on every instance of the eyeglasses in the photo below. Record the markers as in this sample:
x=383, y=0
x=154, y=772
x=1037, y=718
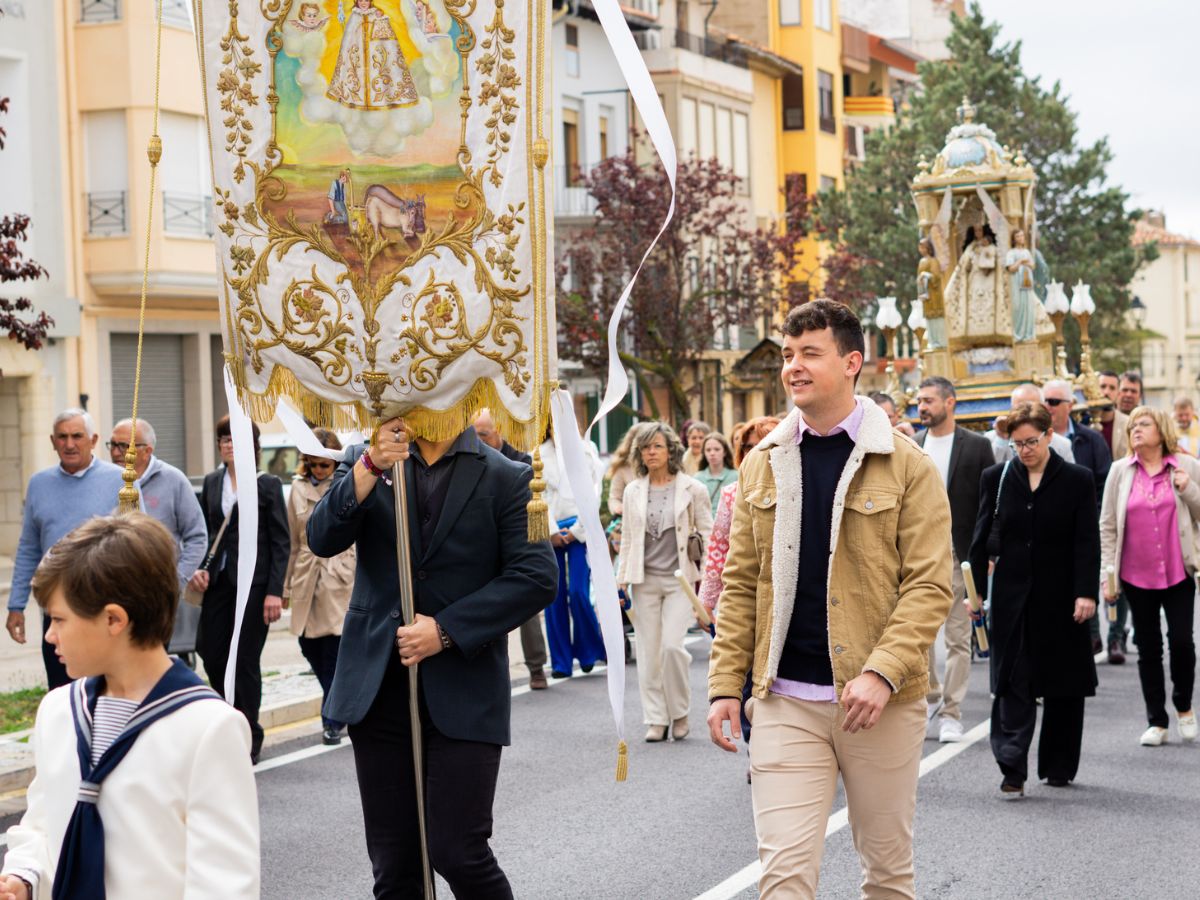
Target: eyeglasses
x=1027, y=444
x=319, y=463
x=1056, y=401
x=122, y=447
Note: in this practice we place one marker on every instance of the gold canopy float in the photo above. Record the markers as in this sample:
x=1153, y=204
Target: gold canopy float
x=986, y=314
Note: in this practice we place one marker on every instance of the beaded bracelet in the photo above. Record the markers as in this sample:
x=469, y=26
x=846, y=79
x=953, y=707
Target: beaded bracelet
x=374, y=469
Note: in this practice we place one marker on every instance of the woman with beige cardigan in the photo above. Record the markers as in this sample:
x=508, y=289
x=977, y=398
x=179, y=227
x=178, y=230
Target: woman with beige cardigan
x=664, y=510
x=317, y=589
x=1148, y=540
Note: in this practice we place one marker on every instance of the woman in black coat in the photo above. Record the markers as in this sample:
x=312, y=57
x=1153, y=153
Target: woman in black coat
x=1041, y=527
x=219, y=582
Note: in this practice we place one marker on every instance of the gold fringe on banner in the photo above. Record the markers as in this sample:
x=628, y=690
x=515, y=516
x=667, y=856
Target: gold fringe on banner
x=537, y=510
x=622, y=761
x=431, y=424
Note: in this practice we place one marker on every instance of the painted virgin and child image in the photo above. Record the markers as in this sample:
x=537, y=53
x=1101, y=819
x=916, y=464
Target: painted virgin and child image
x=368, y=99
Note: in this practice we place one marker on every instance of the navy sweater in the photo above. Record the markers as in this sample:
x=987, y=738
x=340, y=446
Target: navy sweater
x=806, y=649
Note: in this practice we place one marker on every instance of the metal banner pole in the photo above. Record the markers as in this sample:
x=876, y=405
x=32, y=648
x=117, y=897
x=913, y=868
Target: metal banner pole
x=408, y=613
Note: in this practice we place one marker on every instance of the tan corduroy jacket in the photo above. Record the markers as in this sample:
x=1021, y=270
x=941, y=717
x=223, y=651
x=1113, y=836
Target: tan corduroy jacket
x=317, y=590
x=889, y=572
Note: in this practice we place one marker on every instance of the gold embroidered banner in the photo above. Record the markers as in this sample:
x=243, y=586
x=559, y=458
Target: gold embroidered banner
x=381, y=215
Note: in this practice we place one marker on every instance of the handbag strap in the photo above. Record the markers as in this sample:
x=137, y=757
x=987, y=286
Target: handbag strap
x=212, y=550
x=1000, y=487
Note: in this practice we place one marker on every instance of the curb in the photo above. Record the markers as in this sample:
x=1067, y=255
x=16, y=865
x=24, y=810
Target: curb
x=286, y=712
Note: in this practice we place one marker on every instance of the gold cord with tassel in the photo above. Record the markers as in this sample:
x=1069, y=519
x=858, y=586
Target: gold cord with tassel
x=622, y=761
x=537, y=510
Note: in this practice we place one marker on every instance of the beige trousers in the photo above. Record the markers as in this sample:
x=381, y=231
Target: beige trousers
x=799, y=749
x=661, y=616
x=957, y=634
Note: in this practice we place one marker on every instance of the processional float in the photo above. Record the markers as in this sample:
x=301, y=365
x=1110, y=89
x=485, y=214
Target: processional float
x=987, y=315
x=384, y=242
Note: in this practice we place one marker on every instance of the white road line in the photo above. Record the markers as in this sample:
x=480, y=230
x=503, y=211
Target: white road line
x=308, y=752
x=748, y=877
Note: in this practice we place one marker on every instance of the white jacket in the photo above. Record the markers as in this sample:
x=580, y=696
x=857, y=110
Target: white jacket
x=693, y=512
x=560, y=499
x=180, y=811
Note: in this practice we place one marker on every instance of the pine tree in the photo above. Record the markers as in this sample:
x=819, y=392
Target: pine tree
x=1084, y=226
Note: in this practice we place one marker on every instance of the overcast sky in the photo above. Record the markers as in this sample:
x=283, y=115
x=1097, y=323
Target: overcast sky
x=1132, y=72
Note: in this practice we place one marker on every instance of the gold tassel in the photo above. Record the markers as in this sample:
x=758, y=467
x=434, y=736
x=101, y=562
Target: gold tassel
x=622, y=761
x=539, y=524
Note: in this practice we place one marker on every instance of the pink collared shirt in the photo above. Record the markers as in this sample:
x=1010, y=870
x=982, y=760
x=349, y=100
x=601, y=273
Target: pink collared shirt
x=1151, y=558
x=803, y=690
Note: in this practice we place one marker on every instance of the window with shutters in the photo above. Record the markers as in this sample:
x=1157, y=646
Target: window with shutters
x=571, y=146
x=793, y=103
x=161, y=399
x=825, y=99
x=572, y=50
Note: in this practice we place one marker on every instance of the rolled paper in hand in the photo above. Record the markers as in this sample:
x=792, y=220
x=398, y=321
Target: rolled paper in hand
x=701, y=612
x=981, y=636
x=1113, y=593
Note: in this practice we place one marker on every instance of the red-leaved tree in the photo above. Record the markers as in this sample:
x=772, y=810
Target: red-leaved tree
x=710, y=270
x=16, y=318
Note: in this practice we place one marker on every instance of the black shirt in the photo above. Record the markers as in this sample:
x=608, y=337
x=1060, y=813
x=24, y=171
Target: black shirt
x=806, y=648
x=433, y=482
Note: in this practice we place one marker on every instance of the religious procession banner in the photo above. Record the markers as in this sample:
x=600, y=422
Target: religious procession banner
x=381, y=209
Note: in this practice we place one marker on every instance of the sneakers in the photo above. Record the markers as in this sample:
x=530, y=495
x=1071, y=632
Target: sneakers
x=1187, y=726
x=1156, y=737
x=950, y=732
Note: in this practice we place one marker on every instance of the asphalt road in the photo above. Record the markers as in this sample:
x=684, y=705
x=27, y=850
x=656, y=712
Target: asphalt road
x=682, y=824
x=682, y=827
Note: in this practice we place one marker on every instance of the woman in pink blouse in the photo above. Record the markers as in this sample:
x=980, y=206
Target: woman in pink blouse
x=744, y=440
x=1148, y=534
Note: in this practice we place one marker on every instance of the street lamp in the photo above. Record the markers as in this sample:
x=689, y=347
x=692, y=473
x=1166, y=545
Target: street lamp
x=916, y=321
x=1082, y=308
x=888, y=319
x=1137, y=309
x=1057, y=308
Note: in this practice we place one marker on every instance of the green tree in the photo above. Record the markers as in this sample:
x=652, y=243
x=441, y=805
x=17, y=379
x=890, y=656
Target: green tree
x=1084, y=225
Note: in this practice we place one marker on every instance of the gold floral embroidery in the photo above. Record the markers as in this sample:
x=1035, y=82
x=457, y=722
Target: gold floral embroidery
x=498, y=89
x=235, y=85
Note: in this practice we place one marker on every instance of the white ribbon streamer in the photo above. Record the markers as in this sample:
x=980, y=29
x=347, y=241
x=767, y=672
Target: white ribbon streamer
x=649, y=107
x=604, y=581
x=297, y=429
x=245, y=465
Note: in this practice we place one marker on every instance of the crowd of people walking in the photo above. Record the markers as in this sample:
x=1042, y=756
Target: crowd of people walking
x=828, y=547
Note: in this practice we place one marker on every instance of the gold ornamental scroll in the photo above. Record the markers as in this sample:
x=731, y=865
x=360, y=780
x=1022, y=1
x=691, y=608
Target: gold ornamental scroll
x=380, y=209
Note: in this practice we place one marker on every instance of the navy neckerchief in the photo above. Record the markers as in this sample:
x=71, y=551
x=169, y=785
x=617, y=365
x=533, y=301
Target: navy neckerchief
x=80, y=870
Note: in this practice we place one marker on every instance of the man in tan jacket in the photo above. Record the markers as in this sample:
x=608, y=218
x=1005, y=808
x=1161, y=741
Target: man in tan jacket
x=837, y=580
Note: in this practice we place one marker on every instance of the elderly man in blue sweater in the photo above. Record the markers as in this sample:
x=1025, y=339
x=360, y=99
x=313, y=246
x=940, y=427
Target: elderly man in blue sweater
x=167, y=495
x=57, y=501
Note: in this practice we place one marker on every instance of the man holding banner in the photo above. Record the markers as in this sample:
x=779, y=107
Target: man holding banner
x=476, y=577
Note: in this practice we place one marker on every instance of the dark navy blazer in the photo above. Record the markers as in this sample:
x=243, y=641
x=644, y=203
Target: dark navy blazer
x=480, y=577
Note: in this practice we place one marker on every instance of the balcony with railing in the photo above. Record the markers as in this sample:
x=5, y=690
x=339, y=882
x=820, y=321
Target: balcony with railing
x=187, y=215
x=721, y=50
x=99, y=10
x=107, y=213
x=571, y=198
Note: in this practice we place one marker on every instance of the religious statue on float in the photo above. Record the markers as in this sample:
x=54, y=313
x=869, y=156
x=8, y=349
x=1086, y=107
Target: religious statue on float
x=979, y=273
